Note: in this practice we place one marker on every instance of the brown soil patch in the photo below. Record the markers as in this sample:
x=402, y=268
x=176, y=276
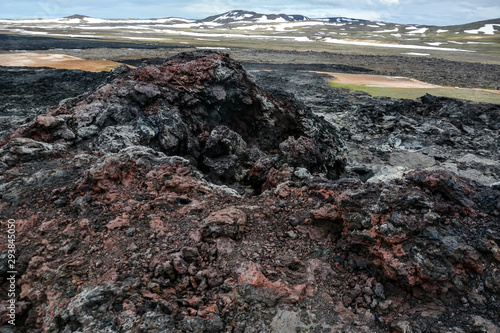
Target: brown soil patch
x=60, y=61
x=379, y=80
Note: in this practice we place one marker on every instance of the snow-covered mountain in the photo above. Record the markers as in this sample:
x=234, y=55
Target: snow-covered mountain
x=340, y=19
x=236, y=16
x=243, y=15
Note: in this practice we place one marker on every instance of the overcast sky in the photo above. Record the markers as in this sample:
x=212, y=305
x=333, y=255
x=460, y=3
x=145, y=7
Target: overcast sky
x=446, y=12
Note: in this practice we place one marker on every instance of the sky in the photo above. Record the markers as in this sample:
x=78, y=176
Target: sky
x=431, y=12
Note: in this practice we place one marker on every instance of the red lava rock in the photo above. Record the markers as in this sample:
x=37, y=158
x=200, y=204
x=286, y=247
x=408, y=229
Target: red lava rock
x=228, y=222
x=207, y=311
x=119, y=222
x=276, y=177
x=327, y=212
x=257, y=288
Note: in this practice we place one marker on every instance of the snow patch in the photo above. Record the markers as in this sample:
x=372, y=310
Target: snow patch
x=212, y=48
x=418, y=31
x=34, y=32
x=93, y=20
x=242, y=17
x=384, y=31
x=264, y=19
x=184, y=25
x=417, y=54
x=108, y=27
x=145, y=38
x=483, y=43
x=286, y=26
x=488, y=29
x=302, y=39
x=77, y=36
x=207, y=39
x=225, y=35
x=398, y=46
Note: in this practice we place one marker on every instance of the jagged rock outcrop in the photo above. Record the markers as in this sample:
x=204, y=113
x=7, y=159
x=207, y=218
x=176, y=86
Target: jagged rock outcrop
x=202, y=106
x=27, y=92
x=430, y=233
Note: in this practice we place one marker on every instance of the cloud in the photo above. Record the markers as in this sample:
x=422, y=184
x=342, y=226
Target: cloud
x=389, y=2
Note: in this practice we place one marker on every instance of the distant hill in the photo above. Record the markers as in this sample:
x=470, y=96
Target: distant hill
x=243, y=15
x=235, y=16
x=487, y=27
x=76, y=16
x=340, y=19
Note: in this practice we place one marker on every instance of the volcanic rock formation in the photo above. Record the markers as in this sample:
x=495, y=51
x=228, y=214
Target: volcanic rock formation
x=201, y=106
x=183, y=198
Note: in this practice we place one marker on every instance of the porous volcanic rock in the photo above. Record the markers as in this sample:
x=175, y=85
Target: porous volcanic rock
x=29, y=92
x=130, y=217
x=202, y=106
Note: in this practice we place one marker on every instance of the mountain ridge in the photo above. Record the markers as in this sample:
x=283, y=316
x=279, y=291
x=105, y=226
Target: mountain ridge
x=245, y=16
x=240, y=15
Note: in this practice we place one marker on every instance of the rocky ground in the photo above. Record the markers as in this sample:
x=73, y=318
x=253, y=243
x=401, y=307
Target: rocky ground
x=183, y=197
x=25, y=43
x=387, y=137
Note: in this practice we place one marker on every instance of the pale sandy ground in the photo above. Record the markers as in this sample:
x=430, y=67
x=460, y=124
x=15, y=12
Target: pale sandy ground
x=61, y=61
x=379, y=81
